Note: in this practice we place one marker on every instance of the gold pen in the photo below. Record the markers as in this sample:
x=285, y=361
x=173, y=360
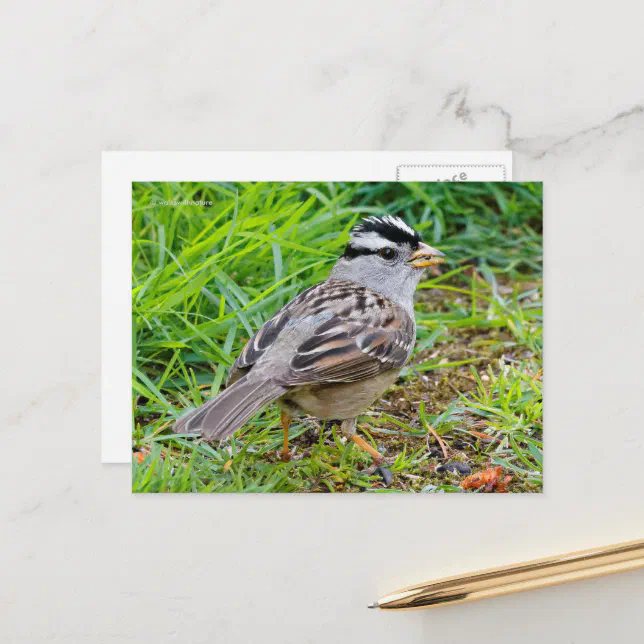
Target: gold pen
x=539, y=573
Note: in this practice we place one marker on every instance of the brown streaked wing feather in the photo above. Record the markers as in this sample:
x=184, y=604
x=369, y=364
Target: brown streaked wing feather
x=367, y=334
x=257, y=346
x=350, y=347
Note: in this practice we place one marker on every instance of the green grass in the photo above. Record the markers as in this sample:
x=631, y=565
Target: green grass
x=206, y=278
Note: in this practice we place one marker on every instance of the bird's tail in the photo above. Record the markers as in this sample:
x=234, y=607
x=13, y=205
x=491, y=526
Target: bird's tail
x=223, y=415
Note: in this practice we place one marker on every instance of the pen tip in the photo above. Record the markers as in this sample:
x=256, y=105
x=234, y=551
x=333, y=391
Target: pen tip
x=374, y=605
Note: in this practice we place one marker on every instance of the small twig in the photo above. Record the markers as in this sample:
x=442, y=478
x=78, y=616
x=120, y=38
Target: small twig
x=438, y=438
x=482, y=436
x=414, y=477
x=158, y=431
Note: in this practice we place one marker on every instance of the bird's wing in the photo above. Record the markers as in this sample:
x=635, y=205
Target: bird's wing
x=263, y=340
x=350, y=347
x=352, y=334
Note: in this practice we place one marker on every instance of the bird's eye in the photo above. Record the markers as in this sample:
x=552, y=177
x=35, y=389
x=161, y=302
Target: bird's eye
x=387, y=253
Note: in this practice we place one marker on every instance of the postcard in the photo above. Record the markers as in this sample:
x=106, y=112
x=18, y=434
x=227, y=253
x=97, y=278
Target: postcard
x=336, y=336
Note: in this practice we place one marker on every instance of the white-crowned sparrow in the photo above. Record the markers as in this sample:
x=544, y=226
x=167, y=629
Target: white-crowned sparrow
x=335, y=348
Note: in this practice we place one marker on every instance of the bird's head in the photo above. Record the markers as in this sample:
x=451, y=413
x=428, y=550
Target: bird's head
x=386, y=253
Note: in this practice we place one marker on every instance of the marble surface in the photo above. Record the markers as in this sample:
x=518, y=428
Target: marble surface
x=559, y=84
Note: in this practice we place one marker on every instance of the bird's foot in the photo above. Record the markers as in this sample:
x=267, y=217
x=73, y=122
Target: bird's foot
x=382, y=462
x=380, y=469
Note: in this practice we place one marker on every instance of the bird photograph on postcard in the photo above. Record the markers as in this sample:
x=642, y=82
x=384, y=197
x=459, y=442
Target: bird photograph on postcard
x=306, y=337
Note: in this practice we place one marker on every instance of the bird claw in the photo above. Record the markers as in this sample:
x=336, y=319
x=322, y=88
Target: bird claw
x=384, y=472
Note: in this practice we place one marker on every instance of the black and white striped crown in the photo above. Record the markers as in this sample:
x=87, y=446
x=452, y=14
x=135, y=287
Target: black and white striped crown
x=377, y=232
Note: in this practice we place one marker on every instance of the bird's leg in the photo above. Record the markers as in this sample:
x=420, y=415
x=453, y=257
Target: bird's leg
x=362, y=444
x=348, y=428
x=286, y=423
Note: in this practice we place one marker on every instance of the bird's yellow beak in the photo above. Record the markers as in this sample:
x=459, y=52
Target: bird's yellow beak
x=425, y=256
